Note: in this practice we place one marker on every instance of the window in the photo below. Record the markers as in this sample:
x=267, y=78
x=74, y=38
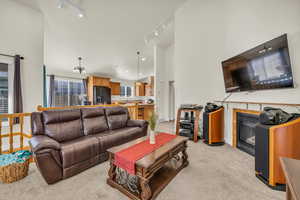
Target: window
x=126, y=91
x=68, y=92
x=3, y=88
x=6, y=86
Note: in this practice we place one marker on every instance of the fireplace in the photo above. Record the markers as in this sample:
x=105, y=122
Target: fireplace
x=246, y=132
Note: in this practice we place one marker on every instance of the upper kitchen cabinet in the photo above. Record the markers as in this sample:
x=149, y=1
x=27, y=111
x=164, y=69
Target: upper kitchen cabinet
x=149, y=87
x=96, y=81
x=140, y=89
x=148, y=90
x=115, y=88
x=99, y=81
x=145, y=88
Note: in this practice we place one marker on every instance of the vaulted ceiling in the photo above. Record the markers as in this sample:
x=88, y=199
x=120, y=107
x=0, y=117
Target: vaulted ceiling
x=107, y=38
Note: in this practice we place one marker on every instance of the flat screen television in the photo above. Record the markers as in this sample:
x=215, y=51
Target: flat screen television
x=266, y=66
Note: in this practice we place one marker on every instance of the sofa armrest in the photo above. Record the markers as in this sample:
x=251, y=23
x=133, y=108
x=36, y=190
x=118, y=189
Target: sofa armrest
x=137, y=123
x=41, y=142
x=46, y=153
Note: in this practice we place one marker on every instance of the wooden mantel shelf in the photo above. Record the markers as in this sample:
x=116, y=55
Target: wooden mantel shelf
x=258, y=103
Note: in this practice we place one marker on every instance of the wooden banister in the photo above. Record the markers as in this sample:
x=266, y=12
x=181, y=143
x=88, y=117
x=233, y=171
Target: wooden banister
x=0, y=136
x=11, y=137
x=11, y=133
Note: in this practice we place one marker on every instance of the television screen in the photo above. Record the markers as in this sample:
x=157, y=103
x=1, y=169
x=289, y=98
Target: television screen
x=266, y=66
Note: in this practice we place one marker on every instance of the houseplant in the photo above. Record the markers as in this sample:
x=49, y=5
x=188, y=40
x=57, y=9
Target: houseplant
x=152, y=125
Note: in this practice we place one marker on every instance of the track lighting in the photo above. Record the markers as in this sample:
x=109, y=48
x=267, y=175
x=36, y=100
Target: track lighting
x=63, y=3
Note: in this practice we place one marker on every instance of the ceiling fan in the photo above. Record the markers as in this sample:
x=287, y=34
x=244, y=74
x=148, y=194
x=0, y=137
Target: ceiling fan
x=70, y=3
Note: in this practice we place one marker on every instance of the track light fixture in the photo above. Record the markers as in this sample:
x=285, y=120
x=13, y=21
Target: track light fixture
x=63, y=3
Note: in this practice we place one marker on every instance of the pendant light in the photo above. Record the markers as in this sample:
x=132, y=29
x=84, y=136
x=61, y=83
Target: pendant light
x=138, y=68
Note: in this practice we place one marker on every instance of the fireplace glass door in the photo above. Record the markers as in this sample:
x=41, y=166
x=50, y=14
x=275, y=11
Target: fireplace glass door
x=246, y=124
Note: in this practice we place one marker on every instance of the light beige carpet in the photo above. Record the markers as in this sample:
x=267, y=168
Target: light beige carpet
x=214, y=173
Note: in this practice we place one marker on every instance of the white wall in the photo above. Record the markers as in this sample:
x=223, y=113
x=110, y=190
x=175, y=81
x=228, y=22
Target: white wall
x=164, y=62
x=208, y=32
x=169, y=76
x=21, y=32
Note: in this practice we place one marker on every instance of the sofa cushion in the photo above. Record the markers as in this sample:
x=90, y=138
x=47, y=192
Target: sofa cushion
x=37, y=127
x=79, y=150
x=117, y=117
x=94, y=120
x=63, y=125
x=117, y=137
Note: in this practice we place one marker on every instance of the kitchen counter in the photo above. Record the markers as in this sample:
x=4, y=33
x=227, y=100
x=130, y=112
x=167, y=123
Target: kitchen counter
x=145, y=111
x=146, y=104
x=138, y=104
x=140, y=111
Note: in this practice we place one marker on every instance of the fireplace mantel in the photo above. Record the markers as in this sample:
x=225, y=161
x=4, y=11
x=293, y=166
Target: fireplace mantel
x=259, y=103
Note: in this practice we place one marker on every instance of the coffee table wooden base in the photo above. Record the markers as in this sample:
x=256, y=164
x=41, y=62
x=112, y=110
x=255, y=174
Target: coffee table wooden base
x=154, y=179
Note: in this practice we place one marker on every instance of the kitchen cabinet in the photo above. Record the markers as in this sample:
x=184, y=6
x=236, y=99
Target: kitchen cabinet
x=115, y=88
x=148, y=111
x=145, y=88
x=140, y=89
x=148, y=90
x=145, y=111
x=99, y=81
x=96, y=81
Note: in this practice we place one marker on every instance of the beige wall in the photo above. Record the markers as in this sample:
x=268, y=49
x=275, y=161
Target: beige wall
x=164, y=72
x=210, y=31
x=21, y=32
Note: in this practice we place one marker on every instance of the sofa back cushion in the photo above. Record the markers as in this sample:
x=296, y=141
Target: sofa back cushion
x=94, y=120
x=63, y=125
x=117, y=117
x=37, y=127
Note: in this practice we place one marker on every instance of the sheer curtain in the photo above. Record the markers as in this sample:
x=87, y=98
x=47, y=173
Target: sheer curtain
x=66, y=92
x=61, y=92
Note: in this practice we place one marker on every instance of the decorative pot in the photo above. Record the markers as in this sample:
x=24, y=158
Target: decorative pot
x=152, y=137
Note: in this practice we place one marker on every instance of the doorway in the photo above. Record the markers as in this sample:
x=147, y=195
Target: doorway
x=171, y=101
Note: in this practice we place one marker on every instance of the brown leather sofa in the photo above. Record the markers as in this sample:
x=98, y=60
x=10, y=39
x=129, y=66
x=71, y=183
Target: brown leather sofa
x=66, y=142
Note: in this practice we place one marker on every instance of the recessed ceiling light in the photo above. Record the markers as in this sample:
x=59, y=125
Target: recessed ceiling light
x=80, y=15
x=126, y=71
x=156, y=33
x=144, y=59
